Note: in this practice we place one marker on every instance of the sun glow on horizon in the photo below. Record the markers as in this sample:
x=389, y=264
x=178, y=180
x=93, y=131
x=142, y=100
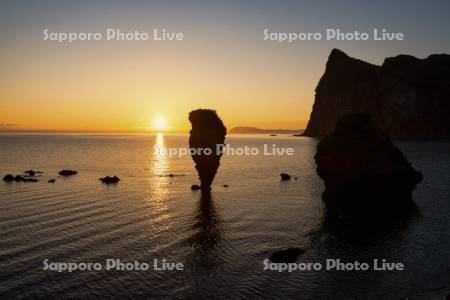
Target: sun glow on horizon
x=159, y=123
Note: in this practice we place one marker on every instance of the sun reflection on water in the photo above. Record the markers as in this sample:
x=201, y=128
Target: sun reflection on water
x=158, y=181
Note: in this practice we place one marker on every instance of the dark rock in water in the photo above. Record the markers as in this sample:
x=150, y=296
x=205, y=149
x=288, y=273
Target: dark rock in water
x=171, y=175
x=406, y=97
x=30, y=172
x=289, y=255
x=195, y=187
x=362, y=170
x=19, y=178
x=295, y=177
x=30, y=180
x=208, y=132
x=67, y=172
x=108, y=179
x=51, y=181
x=8, y=178
x=225, y=185
x=285, y=176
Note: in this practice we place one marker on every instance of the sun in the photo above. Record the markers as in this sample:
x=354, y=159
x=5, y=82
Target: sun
x=159, y=123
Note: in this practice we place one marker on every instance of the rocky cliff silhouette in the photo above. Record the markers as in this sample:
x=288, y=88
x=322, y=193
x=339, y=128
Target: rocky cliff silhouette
x=208, y=132
x=364, y=173
x=407, y=97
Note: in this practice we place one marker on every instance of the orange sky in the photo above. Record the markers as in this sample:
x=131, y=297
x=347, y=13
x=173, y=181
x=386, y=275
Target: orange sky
x=223, y=63
x=126, y=86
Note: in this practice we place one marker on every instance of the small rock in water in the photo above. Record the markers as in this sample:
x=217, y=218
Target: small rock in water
x=30, y=180
x=288, y=255
x=295, y=177
x=67, y=172
x=19, y=178
x=108, y=179
x=8, y=178
x=225, y=185
x=171, y=175
x=51, y=181
x=195, y=187
x=285, y=176
x=30, y=172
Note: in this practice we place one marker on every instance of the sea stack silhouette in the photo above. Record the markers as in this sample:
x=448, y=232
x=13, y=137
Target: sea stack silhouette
x=407, y=97
x=208, y=132
x=365, y=174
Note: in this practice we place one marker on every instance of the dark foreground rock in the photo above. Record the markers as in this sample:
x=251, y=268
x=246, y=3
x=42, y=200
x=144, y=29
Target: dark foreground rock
x=51, y=181
x=406, y=97
x=208, y=132
x=364, y=173
x=67, y=172
x=288, y=255
x=285, y=176
x=108, y=179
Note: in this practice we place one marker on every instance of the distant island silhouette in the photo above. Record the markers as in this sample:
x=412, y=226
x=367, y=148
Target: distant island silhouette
x=255, y=130
x=406, y=97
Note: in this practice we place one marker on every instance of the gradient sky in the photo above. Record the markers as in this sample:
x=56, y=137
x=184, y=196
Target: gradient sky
x=223, y=62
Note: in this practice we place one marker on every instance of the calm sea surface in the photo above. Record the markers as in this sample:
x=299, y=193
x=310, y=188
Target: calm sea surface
x=222, y=242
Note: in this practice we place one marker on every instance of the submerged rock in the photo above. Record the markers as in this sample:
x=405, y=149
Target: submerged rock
x=363, y=171
x=67, y=172
x=195, y=187
x=108, y=179
x=8, y=178
x=285, y=176
x=51, y=181
x=288, y=255
x=225, y=185
x=206, y=136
